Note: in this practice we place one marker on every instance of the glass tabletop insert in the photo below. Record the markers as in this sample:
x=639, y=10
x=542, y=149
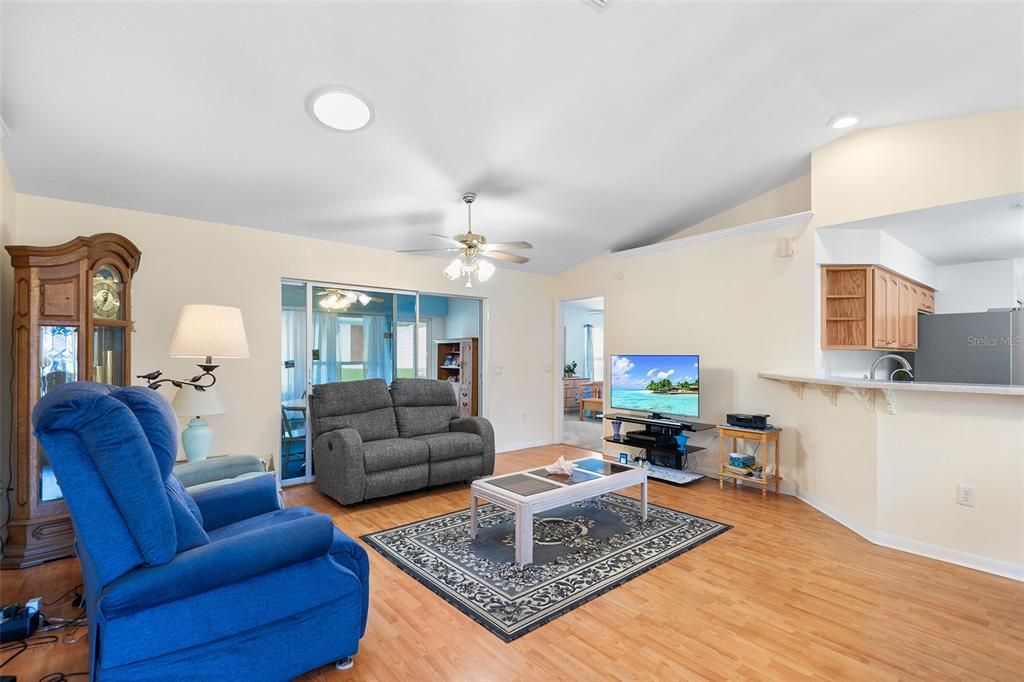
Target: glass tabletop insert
x=521, y=484
x=600, y=466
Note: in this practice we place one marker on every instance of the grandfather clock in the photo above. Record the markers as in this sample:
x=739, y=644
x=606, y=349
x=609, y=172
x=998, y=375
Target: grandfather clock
x=72, y=322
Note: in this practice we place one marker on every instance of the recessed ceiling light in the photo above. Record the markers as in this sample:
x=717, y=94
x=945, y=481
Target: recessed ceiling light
x=844, y=120
x=340, y=108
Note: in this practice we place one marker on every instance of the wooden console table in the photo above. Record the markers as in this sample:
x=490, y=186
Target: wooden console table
x=764, y=438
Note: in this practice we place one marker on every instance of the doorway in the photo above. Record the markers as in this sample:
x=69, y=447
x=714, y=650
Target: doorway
x=583, y=375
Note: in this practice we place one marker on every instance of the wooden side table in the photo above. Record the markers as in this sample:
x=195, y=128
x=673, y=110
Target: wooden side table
x=764, y=438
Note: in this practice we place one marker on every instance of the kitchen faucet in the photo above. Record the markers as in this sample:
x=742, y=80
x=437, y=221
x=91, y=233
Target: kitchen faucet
x=899, y=358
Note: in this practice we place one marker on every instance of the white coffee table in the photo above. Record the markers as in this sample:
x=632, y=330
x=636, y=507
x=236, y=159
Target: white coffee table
x=531, y=491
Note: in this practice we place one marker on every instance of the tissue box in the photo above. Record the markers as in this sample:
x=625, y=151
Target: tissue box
x=738, y=460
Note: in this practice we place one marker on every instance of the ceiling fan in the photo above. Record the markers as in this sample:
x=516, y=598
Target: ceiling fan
x=474, y=250
x=342, y=299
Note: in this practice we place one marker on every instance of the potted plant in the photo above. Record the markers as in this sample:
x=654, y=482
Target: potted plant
x=570, y=370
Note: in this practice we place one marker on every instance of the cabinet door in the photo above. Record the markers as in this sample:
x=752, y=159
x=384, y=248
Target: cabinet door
x=906, y=336
x=892, y=310
x=880, y=285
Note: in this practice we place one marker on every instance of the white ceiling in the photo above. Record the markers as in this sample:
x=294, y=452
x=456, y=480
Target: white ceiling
x=581, y=131
x=967, y=232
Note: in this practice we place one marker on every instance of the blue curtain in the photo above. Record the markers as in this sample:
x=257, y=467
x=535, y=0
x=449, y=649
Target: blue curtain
x=588, y=351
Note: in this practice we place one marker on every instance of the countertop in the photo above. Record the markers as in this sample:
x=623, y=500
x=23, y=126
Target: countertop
x=850, y=382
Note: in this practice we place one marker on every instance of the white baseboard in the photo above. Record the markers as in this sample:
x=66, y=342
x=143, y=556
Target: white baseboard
x=1006, y=569
x=511, y=447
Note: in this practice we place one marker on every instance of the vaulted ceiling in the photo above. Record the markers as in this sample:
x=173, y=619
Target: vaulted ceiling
x=581, y=131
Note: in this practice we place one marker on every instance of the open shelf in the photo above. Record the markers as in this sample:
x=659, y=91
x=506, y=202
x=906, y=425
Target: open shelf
x=690, y=449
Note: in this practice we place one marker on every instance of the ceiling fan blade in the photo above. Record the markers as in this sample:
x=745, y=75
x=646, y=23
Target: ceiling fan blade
x=428, y=250
x=446, y=238
x=501, y=255
x=507, y=245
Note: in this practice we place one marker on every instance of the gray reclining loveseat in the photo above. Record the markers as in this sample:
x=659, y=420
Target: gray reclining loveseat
x=371, y=442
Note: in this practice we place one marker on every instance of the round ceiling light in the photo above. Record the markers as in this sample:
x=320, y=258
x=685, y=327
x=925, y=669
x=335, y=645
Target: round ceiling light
x=844, y=120
x=340, y=108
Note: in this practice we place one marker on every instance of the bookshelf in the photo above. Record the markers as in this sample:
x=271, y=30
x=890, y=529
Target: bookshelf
x=458, y=361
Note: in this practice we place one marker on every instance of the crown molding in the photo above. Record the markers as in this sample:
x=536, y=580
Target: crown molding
x=794, y=219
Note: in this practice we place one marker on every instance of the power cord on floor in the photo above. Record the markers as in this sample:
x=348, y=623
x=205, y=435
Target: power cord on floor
x=60, y=677
x=15, y=649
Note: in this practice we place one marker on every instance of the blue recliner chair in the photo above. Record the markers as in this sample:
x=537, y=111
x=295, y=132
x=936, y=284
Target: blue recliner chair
x=223, y=586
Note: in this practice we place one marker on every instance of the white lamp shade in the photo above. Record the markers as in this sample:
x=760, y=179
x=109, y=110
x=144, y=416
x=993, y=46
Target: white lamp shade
x=188, y=402
x=214, y=331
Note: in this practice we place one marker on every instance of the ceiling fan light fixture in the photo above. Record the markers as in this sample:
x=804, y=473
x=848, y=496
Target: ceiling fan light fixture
x=484, y=270
x=454, y=269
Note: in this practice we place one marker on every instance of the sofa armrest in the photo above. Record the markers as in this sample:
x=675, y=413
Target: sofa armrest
x=232, y=560
x=217, y=469
x=340, y=470
x=482, y=428
x=236, y=501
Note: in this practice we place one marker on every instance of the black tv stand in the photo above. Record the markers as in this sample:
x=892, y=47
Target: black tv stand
x=655, y=419
x=657, y=445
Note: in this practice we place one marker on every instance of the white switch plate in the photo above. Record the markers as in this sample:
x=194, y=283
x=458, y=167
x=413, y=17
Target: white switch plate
x=965, y=495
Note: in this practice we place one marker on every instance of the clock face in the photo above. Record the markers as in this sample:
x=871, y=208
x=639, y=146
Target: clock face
x=105, y=299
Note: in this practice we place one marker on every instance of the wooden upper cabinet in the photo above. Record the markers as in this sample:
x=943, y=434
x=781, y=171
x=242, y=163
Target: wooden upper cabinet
x=880, y=289
x=906, y=323
x=866, y=307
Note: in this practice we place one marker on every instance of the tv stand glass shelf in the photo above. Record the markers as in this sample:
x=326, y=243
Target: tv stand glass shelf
x=663, y=458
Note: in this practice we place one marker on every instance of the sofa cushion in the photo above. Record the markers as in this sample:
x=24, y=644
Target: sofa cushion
x=394, y=453
x=423, y=406
x=445, y=446
x=361, y=405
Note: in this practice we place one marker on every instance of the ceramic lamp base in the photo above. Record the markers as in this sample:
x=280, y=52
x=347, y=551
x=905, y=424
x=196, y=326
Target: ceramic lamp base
x=196, y=439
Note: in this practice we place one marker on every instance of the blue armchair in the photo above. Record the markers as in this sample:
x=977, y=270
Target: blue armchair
x=201, y=588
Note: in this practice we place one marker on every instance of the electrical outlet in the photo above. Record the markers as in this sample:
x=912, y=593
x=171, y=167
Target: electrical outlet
x=498, y=370
x=965, y=495
x=524, y=417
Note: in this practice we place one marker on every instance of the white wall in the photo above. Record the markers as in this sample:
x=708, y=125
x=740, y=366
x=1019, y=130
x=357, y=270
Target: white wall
x=976, y=287
x=190, y=261
x=873, y=247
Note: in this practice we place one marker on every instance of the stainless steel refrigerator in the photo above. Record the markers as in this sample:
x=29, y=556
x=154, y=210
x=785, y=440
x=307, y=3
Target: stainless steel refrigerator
x=976, y=348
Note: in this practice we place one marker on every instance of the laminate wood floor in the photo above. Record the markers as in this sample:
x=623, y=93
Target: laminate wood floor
x=788, y=594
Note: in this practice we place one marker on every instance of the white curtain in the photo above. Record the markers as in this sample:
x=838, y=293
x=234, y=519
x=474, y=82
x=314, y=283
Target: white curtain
x=588, y=351
x=378, y=347
x=293, y=354
x=325, y=347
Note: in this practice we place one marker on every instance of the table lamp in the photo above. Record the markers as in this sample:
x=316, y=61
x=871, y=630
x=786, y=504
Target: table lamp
x=197, y=437
x=208, y=332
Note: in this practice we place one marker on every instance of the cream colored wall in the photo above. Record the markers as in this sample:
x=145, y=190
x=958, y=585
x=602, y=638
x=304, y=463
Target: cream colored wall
x=7, y=217
x=891, y=478
x=880, y=171
x=937, y=441
x=190, y=261
x=684, y=301
x=792, y=197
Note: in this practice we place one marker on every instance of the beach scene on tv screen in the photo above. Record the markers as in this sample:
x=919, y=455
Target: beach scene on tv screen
x=666, y=384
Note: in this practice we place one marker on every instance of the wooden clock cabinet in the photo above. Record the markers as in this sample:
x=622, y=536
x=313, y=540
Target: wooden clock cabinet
x=72, y=322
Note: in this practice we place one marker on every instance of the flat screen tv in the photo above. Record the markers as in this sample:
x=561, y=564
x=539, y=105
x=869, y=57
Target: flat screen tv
x=657, y=384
